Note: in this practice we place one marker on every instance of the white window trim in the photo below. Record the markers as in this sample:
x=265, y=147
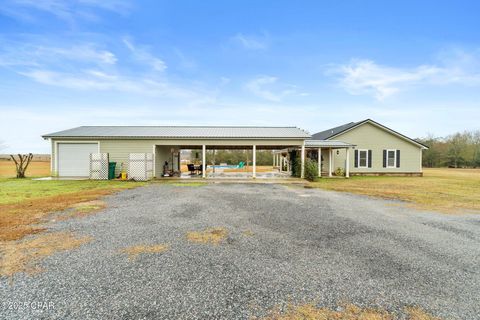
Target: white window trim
x=366, y=158
x=394, y=158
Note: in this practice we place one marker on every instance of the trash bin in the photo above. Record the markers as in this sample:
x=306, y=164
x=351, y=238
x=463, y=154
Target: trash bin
x=111, y=170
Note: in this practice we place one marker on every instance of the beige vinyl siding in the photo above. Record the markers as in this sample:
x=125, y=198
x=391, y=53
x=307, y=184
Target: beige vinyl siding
x=53, y=172
x=371, y=137
x=119, y=149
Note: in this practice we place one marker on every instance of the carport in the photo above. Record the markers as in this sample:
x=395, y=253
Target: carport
x=73, y=148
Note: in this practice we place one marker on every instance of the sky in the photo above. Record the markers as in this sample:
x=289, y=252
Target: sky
x=413, y=66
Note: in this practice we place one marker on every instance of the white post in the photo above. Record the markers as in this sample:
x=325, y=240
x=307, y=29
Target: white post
x=273, y=153
x=319, y=162
x=347, y=164
x=213, y=169
x=330, y=162
x=302, y=172
x=204, y=160
x=288, y=162
x=254, y=168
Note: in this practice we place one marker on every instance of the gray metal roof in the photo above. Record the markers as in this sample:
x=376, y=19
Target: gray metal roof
x=327, y=144
x=183, y=132
x=323, y=135
x=333, y=132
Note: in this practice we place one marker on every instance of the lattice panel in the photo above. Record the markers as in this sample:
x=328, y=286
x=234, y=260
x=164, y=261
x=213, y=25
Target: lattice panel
x=140, y=166
x=99, y=166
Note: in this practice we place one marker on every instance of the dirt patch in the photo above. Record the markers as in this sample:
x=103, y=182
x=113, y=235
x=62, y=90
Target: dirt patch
x=212, y=235
x=20, y=219
x=189, y=184
x=83, y=209
x=347, y=312
x=134, y=251
x=24, y=256
x=416, y=313
x=248, y=233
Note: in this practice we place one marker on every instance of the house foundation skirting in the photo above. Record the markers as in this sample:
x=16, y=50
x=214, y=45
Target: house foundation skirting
x=388, y=174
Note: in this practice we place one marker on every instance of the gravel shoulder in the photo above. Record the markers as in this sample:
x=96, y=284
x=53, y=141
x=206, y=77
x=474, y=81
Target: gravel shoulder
x=285, y=244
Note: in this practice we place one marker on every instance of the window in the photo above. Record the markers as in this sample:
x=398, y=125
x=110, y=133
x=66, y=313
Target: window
x=362, y=158
x=391, y=158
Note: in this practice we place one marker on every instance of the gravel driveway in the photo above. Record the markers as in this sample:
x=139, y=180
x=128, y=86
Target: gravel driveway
x=285, y=244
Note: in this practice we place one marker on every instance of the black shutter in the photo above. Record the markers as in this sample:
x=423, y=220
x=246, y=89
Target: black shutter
x=398, y=158
x=369, y=158
x=356, y=159
x=384, y=158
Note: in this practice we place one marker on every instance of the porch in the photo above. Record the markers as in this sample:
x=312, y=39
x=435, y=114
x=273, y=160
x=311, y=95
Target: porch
x=321, y=151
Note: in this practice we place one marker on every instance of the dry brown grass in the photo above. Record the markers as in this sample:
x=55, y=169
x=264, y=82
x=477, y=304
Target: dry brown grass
x=35, y=169
x=20, y=219
x=83, y=209
x=416, y=313
x=24, y=256
x=134, y=251
x=248, y=233
x=348, y=312
x=212, y=235
x=444, y=190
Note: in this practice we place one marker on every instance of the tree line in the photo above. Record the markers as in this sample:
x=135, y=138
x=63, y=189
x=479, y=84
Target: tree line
x=233, y=157
x=458, y=150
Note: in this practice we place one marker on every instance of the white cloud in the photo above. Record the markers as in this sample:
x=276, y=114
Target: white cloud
x=252, y=42
x=98, y=80
x=32, y=54
x=88, y=67
x=268, y=88
x=143, y=55
x=67, y=10
x=367, y=77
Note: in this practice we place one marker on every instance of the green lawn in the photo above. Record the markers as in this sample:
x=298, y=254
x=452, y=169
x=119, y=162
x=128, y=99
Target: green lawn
x=17, y=190
x=26, y=203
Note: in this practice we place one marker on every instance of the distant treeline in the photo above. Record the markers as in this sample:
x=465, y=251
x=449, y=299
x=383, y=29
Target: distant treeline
x=458, y=150
x=233, y=156
x=36, y=157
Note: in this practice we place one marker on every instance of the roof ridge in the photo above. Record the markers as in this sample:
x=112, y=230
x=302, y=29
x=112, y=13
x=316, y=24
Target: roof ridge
x=185, y=126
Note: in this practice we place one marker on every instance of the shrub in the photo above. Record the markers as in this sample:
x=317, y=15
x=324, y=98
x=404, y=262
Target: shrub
x=296, y=164
x=339, y=172
x=311, y=169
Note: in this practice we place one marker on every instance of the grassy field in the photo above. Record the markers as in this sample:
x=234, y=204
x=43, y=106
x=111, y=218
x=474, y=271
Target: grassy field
x=24, y=203
x=35, y=169
x=445, y=190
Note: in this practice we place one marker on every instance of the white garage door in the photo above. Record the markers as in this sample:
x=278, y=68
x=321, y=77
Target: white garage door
x=74, y=159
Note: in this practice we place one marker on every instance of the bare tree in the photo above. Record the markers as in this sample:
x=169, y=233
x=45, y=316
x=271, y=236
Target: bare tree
x=457, y=144
x=22, y=163
x=475, y=141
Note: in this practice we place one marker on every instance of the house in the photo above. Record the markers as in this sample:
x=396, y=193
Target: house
x=378, y=150
x=364, y=147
